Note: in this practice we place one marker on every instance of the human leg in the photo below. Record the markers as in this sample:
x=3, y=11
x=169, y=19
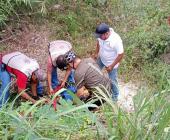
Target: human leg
x=71, y=82
x=4, y=82
x=40, y=89
x=70, y=86
x=114, y=85
x=54, y=78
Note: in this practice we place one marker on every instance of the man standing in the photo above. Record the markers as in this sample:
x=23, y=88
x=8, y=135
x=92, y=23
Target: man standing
x=109, y=53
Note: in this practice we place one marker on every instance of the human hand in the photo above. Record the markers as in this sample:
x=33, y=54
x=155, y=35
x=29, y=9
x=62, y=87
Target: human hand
x=44, y=100
x=47, y=100
x=109, y=68
x=94, y=56
x=34, y=101
x=63, y=84
x=51, y=90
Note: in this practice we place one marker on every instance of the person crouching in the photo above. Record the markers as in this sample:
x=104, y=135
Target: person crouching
x=26, y=70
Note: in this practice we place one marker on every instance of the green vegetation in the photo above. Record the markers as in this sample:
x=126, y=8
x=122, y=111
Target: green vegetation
x=42, y=121
x=150, y=120
x=146, y=35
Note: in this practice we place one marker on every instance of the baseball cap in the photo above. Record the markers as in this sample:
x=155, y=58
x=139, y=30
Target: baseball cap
x=40, y=74
x=101, y=29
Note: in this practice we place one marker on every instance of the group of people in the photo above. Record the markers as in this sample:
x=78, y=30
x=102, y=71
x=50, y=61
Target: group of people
x=86, y=72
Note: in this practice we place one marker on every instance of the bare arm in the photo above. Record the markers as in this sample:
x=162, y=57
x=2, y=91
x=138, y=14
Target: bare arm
x=21, y=83
x=49, y=81
x=68, y=71
x=26, y=96
x=49, y=71
x=34, y=88
x=117, y=60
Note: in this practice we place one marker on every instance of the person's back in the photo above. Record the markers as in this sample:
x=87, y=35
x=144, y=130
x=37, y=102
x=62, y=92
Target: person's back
x=88, y=74
x=24, y=69
x=57, y=49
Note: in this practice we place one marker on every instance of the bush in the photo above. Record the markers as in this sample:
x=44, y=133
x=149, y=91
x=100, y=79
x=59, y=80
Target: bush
x=17, y=8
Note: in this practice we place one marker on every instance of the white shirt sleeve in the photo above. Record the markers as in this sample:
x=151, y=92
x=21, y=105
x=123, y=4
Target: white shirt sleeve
x=119, y=47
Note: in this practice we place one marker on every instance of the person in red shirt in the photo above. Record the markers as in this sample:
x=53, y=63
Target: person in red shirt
x=26, y=70
x=22, y=80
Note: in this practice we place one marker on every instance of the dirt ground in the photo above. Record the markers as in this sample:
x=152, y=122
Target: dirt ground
x=34, y=43
x=166, y=58
x=30, y=41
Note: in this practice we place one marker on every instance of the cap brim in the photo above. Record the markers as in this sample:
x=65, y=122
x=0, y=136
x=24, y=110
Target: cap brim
x=97, y=35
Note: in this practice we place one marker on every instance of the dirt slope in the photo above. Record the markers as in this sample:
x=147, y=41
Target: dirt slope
x=32, y=42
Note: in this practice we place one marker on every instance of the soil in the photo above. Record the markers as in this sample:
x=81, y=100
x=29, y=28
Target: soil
x=34, y=43
x=166, y=58
x=127, y=92
x=30, y=41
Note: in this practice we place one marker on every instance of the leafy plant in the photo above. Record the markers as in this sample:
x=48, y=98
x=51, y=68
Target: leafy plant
x=149, y=120
x=17, y=8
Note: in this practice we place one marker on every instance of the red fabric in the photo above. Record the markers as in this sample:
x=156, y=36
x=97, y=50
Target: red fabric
x=169, y=20
x=55, y=100
x=57, y=89
x=21, y=77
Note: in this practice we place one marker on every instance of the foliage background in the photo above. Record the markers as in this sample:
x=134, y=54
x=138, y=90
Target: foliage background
x=146, y=35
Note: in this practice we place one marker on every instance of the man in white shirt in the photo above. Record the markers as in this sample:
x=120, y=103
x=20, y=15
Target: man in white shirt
x=109, y=53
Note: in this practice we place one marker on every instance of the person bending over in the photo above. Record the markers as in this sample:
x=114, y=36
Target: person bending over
x=26, y=71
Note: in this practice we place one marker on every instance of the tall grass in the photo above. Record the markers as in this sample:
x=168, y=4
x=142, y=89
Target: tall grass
x=145, y=33
x=150, y=120
x=43, y=122
x=17, y=8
